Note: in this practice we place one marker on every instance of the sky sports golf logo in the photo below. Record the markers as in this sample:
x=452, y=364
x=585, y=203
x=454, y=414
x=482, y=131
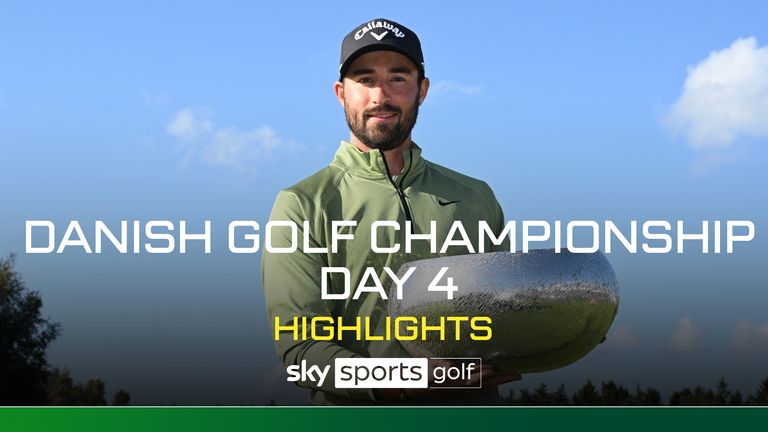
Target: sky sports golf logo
x=393, y=373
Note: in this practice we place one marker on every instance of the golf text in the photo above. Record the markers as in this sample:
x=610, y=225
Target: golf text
x=243, y=236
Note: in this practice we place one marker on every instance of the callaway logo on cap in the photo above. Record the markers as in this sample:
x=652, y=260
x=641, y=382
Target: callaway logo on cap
x=380, y=35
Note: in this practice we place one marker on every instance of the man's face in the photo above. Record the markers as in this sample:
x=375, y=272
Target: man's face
x=381, y=97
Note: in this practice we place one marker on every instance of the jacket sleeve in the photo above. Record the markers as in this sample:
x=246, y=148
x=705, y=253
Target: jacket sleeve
x=497, y=222
x=291, y=283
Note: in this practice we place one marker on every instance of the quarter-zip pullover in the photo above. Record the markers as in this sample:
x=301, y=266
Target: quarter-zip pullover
x=357, y=186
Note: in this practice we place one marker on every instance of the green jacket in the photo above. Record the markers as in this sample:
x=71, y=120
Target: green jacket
x=356, y=186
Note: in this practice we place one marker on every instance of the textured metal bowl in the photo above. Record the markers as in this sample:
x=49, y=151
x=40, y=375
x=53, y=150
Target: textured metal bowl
x=548, y=309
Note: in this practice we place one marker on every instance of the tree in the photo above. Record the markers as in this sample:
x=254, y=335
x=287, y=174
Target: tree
x=24, y=338
x=525, y=398
x=723, y=395
x=540, y=396
x=651, y=396
x=92, y=393
x=761, y=395
x=615, y=394
x=61, y=390
x=25, y=376
x=736, y=399
x=698, y=397
x=123, y=398
x=560, y=397
x=587, y=395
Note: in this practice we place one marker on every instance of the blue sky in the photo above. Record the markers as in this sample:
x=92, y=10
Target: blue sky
x=599, y=110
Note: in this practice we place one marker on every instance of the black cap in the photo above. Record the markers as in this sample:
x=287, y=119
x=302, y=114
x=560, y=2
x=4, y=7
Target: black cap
x=380, y=34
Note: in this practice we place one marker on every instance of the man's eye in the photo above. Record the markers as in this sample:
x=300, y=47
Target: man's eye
x=365, y=80
x=398, y=78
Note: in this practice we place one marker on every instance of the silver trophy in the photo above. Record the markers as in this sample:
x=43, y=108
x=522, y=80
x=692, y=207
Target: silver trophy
x=547, y=309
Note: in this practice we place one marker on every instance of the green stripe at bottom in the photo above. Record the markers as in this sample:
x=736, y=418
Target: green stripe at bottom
x=378, y=419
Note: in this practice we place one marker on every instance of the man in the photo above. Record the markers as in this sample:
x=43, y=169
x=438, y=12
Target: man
x=379, y=175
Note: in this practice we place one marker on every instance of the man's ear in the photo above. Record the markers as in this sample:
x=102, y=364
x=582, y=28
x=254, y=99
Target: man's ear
x=338, y=88
x=423, y=90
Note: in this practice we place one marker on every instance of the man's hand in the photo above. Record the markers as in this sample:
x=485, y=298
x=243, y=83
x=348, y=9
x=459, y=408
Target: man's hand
x=491, y=377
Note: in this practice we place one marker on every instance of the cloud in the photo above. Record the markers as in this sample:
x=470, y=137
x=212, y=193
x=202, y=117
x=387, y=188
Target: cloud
x=747, y=337
x=446, y=87
x=622, y=338
x=232, y=147
x=191, y=123
x=225, y=146
x=725, y=98
x=685, y=338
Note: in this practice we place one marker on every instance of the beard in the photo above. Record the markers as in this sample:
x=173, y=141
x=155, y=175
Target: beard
x=383, y=136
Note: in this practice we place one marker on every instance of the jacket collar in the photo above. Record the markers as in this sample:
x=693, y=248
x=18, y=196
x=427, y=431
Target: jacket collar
x=371, y=164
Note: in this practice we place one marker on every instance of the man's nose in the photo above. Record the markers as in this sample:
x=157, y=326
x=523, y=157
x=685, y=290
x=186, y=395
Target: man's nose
x=380, y=93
